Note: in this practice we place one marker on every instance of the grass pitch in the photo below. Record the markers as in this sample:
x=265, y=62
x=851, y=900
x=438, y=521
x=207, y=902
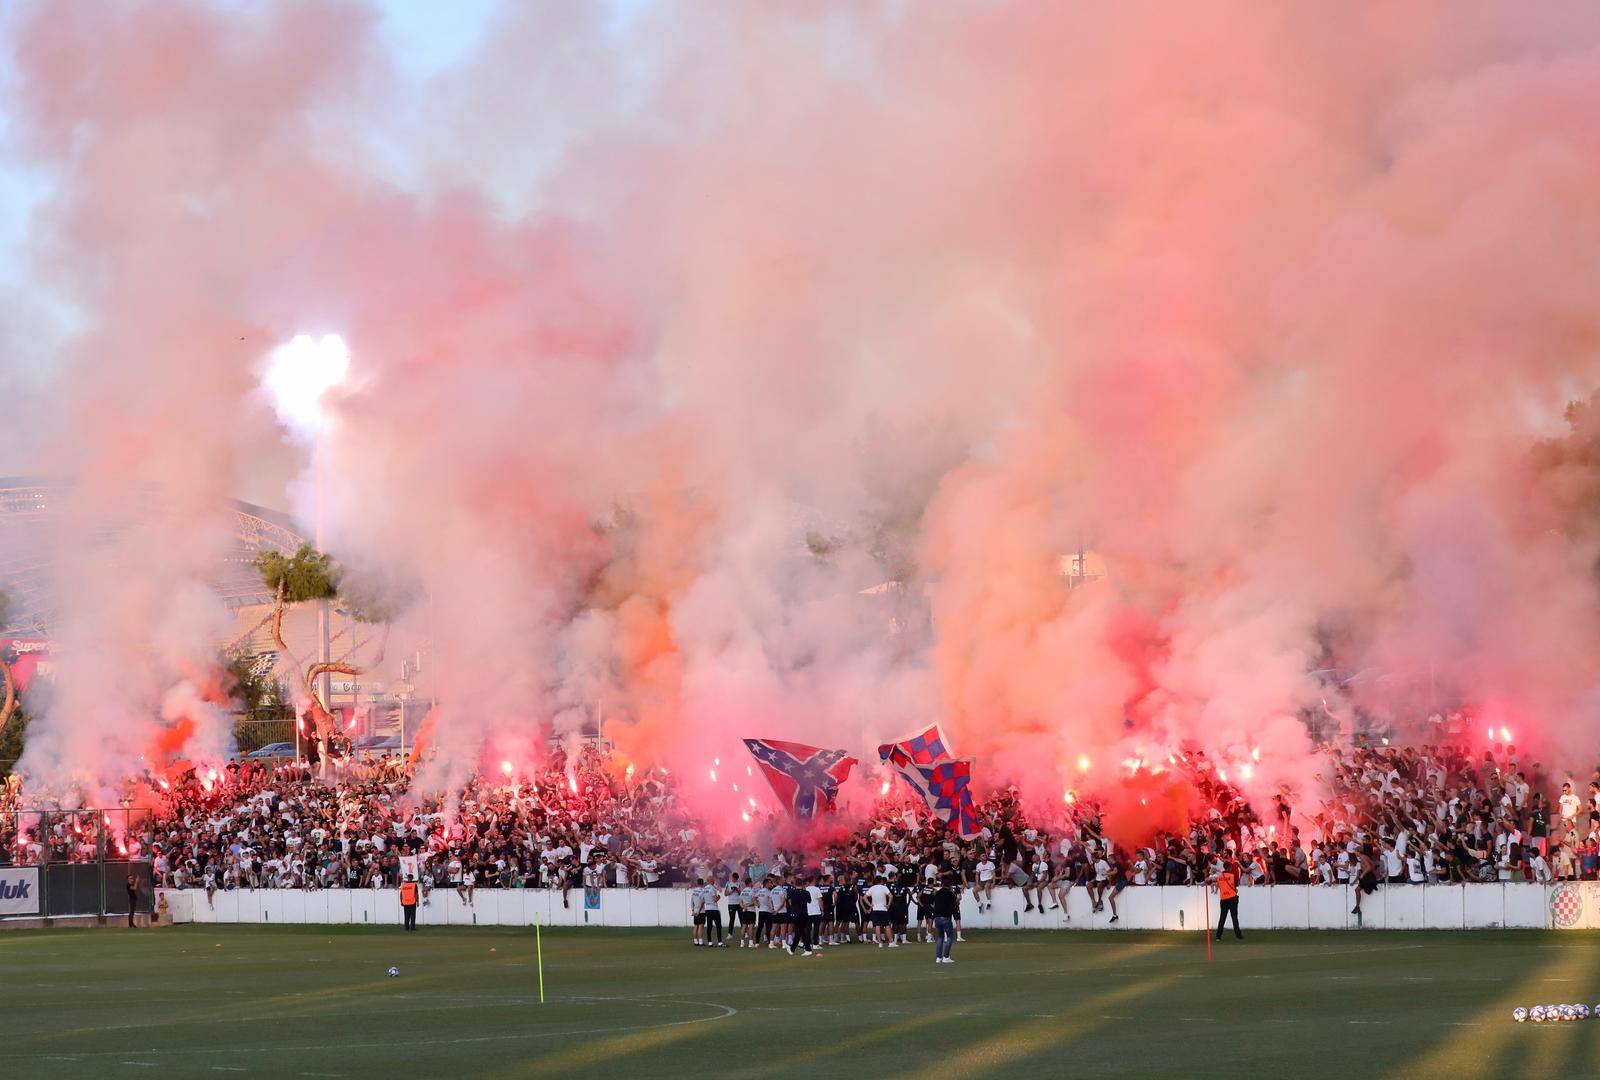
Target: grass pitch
x=293, y=1001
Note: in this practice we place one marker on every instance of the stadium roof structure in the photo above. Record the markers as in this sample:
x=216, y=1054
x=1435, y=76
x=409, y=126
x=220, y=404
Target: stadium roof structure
x=30, y=510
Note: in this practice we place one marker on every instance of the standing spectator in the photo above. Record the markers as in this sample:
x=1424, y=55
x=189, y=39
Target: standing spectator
x=946, y=903
x=1539, y=827
x=1569, y=806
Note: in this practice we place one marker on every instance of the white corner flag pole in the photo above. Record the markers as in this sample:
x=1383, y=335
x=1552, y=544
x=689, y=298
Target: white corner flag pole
x=538, y=946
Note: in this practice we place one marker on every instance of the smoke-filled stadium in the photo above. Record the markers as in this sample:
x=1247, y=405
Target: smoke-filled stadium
x=973, y=538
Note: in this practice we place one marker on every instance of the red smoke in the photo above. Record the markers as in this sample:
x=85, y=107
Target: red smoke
x=751, y=371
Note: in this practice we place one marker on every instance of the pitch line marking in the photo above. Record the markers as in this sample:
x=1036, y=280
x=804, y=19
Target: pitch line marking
x=728, y=1011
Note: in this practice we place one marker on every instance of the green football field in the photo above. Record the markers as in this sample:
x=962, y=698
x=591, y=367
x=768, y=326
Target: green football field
x=317, y=1002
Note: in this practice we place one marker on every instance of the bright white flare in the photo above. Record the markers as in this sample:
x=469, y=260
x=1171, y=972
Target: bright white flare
x=297, y=376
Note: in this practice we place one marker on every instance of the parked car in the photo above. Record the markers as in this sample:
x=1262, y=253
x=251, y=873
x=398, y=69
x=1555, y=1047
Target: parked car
x=373, y=745
x=270, y=751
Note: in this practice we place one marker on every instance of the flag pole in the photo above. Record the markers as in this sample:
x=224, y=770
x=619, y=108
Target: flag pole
x=538, y=946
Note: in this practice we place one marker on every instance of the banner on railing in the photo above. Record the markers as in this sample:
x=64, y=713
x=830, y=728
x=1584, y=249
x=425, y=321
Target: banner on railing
x=19, y=890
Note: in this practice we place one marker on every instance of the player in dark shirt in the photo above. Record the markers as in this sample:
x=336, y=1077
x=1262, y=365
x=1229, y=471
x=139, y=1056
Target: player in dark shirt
x=858, y=893
x=844, y=911
x=924, y=895
x=899, y=909
x=799, y=900
x=828, y=899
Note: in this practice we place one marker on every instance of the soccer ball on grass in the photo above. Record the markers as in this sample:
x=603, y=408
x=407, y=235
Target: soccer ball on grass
x=393, y=972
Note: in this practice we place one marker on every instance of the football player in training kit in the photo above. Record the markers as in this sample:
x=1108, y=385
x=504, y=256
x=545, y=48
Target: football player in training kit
x=763, y=894
x=924, y=896
x=826, y=927
x=735, y=908
x=899, y=908
x=844, y=909
x=748, y=909
x=781, y=926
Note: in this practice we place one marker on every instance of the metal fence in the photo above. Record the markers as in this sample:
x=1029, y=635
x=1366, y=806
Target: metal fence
x=76, y=862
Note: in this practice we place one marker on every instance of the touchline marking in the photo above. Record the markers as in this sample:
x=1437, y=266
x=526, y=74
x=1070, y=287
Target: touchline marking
x=727, y=1012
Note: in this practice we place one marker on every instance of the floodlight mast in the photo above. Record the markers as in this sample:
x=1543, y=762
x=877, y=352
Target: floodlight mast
x=298, y=375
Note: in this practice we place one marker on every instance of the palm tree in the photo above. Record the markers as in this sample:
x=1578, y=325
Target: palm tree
x=307, y=575
x=10, y=705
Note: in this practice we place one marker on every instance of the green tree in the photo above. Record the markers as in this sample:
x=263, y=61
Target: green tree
x=265, y=713
x=13, y=721
x=312, y=575
x=13, y=737
x=1568, y=467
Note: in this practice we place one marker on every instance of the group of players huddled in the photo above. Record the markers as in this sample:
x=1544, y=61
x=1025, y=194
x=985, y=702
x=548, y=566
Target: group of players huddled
x=802, y=912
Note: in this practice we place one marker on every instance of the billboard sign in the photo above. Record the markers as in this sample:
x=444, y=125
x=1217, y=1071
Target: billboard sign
x=19, y=890
x=28, y=657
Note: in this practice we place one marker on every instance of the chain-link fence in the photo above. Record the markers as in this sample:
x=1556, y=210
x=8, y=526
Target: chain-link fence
x=76, y=862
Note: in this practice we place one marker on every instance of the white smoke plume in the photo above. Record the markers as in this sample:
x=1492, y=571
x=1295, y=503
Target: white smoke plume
x=751, y=370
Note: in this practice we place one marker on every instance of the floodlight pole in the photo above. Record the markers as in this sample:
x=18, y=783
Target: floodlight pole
x=324, y=643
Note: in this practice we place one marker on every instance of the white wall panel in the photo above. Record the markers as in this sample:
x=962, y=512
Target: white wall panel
x=1328, y=906
x=1183, y=907
x=1402, y=909
x=1255, y=908
x=1526, y=906
x=1398, y=907
x=1444, y=907
x=1291, y=907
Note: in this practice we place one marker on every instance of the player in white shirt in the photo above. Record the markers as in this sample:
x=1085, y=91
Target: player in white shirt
x=747, y=913
x=697, y=910
x=778, y=897
x=814, y=911
x=878, y=902
x=763, y=901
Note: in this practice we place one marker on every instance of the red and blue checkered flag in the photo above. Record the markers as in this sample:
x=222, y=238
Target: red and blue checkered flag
x=926, y=748
x=949, y=784
x=943, y=782
x=799, y=773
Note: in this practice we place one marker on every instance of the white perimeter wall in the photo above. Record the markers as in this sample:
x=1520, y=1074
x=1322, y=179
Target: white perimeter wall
x=1281, y=907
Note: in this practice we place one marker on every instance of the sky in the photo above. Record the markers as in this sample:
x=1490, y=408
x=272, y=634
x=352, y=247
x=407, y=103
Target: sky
x=424, y=41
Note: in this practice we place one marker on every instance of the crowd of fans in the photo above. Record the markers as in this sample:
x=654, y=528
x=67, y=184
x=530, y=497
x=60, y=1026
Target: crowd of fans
x=1422, y=814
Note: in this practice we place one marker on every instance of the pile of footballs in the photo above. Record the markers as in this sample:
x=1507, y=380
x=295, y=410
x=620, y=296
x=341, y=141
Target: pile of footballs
x=1554, y=1014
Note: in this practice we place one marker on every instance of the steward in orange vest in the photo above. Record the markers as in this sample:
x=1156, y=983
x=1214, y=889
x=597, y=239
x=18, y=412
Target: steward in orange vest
x=408, y=902
x=1228, y=890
